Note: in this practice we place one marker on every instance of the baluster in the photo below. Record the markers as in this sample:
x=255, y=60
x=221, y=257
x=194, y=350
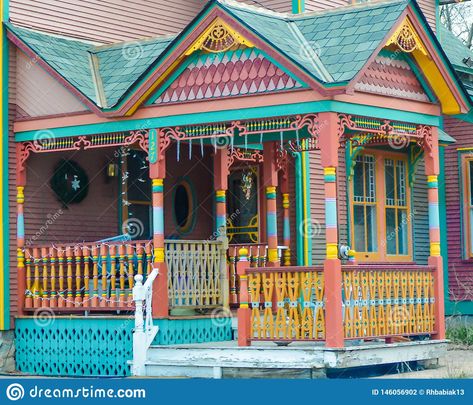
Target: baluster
x=121, y=263
x=131, y=272
x=139, y=257
x=53, y=259
x=29, y=284
x=36, y=298
x=95, y=275
x=44, y=293
x=69, y=300
x=232, y=272
x=104, y=264
x=149, y=258
x=86, y=251
x=113, y=276
x=78, y=259
x=61, y=302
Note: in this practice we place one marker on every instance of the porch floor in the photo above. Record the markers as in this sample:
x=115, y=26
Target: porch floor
x=267, y=360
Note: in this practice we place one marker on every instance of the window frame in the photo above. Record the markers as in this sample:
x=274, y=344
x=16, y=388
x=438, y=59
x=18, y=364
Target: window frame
x=466, y=219
x=192, y=199
x=380, y=193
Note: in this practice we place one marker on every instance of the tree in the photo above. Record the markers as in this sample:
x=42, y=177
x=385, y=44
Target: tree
x=457, y=16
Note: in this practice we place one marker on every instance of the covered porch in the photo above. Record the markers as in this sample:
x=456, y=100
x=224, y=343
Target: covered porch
x=344, y=298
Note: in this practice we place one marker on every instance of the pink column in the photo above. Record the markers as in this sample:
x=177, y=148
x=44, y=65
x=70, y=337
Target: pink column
x=244, y=311
x=432, y=170
x=270, y=179
x=329, y=144
x=221, y=186
x=160, y=287
x=286, y=223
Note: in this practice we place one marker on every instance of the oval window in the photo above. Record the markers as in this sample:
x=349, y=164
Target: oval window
x=183, y=207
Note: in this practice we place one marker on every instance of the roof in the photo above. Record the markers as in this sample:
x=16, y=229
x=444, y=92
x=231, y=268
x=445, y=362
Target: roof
x=445, y=138
x=457, y=52
x=331, y=46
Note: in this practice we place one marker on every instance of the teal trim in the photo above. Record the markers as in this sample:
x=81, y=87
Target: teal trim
x=231, y=115
x=299, y=214
x=347, y=196
x=308, y=217
x=462, y=223
x=298, y=6
x=6, y=177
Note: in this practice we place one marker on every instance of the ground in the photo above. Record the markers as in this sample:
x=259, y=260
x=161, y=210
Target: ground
x=457, y=364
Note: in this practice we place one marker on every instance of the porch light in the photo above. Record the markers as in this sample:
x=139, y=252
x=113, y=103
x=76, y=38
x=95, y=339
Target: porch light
x=112, y=170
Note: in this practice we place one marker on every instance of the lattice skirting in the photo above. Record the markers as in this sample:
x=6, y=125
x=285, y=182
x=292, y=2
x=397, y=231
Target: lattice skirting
x=74, y=346
x=99, y=346
x=200, y=330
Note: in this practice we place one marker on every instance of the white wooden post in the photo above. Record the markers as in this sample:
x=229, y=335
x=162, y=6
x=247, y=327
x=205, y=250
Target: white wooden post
x=139, y=336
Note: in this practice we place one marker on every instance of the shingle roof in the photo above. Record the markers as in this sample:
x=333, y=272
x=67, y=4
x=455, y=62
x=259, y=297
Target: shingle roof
x=331, y=46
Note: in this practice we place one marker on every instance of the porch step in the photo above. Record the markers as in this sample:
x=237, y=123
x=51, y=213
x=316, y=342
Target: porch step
x=266, y=360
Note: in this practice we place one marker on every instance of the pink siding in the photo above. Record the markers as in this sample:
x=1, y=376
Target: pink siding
x=428, y=7
x=105, y=20
x=317, y=5
x=460, y=271
x=96, y=217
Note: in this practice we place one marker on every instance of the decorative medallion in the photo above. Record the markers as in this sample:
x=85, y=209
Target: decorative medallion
x=407, y=39
x=69, y=182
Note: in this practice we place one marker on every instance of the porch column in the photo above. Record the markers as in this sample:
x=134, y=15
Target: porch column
x=270, y=180
x=432, y=170
x=20, y=230
x=157, y=171
x=329, y=144
x=286, y=223
x=221, y=187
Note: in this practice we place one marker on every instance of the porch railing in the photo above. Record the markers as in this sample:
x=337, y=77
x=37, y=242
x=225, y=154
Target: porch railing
x=197, y=274
x=287, y=303
x=387, y=300
x=85, y=276
x=257, y=257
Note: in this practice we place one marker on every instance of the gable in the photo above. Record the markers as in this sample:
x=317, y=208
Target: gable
x=395, y=76
x=238, y=72
x=38, y=94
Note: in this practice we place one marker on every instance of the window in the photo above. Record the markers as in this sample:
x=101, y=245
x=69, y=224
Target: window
x=468, y=205
x=184, y=206
x=380, y=225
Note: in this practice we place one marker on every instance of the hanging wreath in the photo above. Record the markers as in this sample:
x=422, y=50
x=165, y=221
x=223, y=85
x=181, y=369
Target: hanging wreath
x=69, y=182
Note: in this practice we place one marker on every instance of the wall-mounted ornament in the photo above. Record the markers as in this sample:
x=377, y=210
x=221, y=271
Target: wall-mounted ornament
x=69, y=182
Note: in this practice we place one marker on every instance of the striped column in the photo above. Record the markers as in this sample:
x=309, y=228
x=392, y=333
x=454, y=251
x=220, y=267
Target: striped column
x=158, y=220
x=331, y=231
x=286, y=229
x=221, y=210
x=272, y=226
x=244, y=311
x=435, y=259
x=20, y=243
x=434, y=215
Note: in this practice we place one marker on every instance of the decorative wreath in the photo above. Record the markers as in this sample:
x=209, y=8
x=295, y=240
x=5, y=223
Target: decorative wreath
x=69, y=182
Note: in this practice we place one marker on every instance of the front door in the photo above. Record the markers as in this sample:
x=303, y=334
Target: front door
x=242, y=206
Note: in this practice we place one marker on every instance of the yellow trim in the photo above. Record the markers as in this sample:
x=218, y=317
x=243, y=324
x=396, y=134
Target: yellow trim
x=467, y=149
x=329, y=171
x=466, y=206
x=407, y=40
x=332, y=251
x=285, y=200
x=157, y=182
x=221, y=193
x=159, y=255
x=432, y=179
x=273, y=255
x=304, y=206
x=196, y=45
x=270, y=189
x=435, y=249
x=20, y=196
x=381, y=254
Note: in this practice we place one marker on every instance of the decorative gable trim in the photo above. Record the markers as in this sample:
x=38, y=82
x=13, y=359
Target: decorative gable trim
x=405, y=37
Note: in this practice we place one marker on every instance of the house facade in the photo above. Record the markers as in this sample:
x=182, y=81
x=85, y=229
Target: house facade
x=282, y=166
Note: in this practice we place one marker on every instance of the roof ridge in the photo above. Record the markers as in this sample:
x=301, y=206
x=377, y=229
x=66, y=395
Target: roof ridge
x=252, y=7
x=113, y=45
